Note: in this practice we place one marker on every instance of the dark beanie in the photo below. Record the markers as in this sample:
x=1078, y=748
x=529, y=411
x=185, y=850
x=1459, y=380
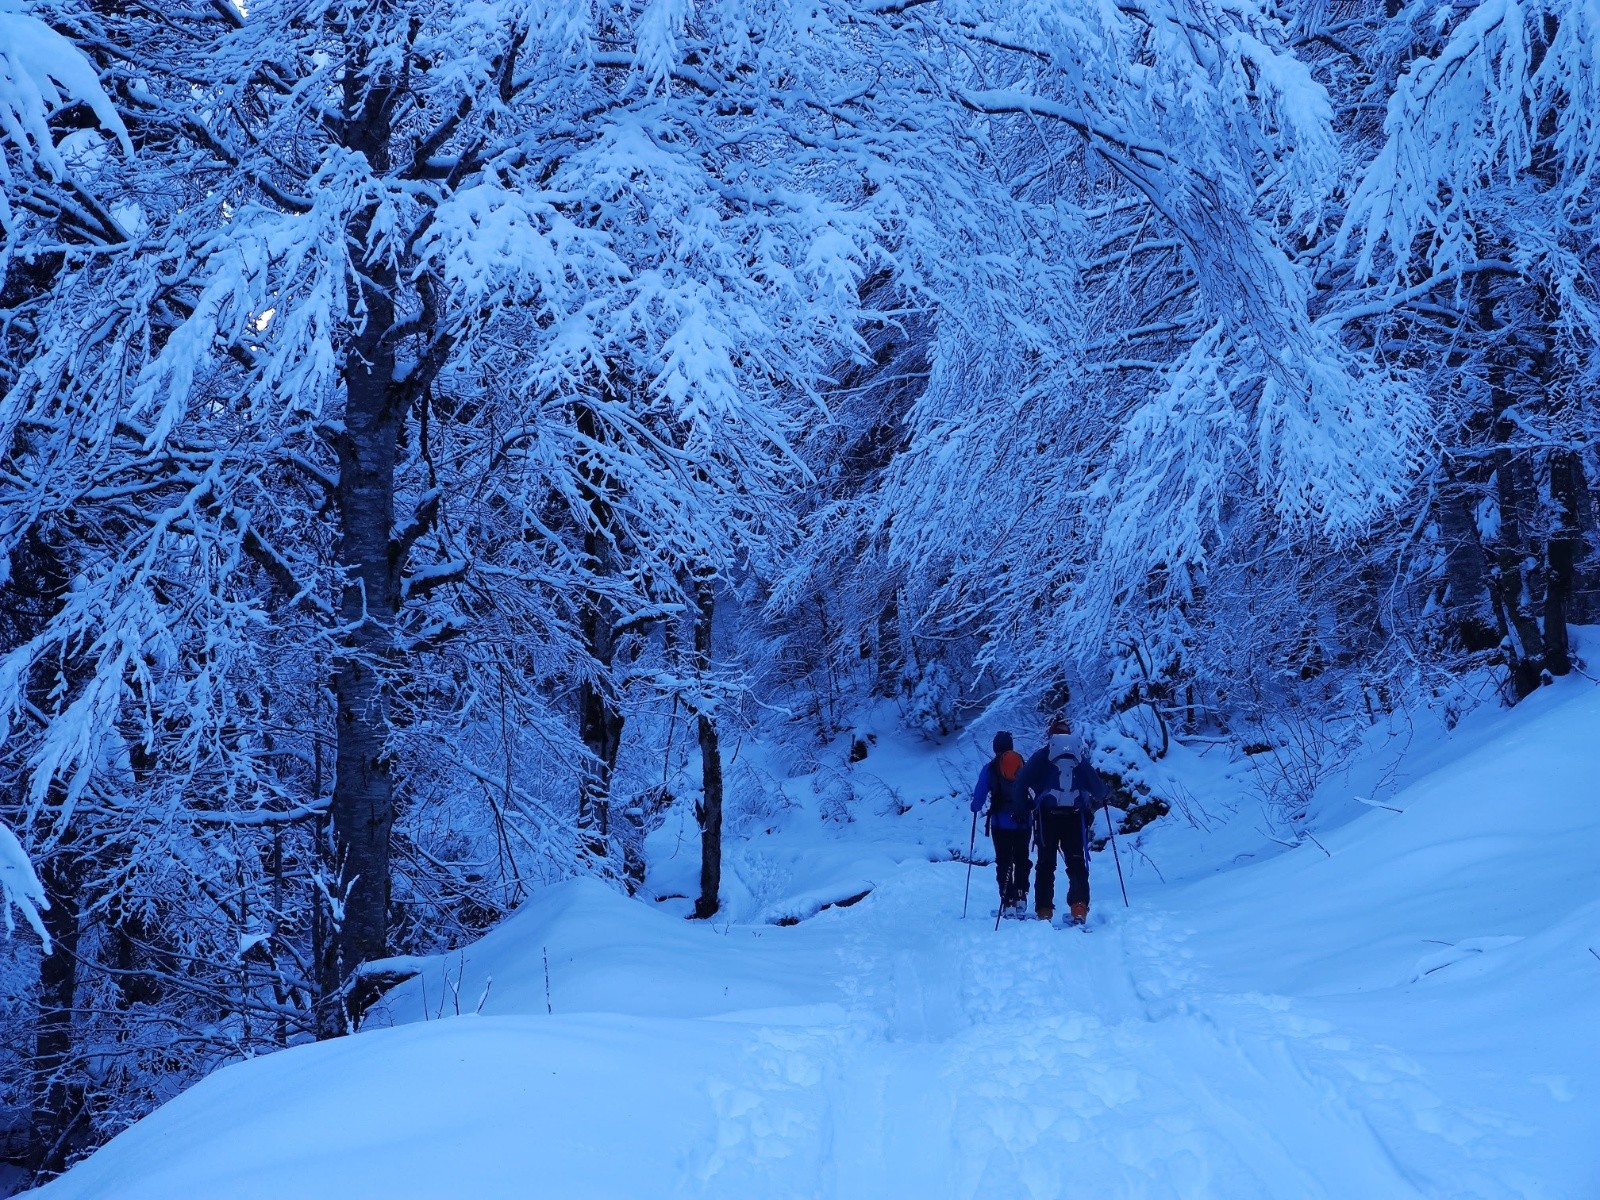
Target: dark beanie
x=1002, y=742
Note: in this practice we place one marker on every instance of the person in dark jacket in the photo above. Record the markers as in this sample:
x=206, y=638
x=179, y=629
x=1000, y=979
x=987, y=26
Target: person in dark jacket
x=1009, y=823
x=1064, y=790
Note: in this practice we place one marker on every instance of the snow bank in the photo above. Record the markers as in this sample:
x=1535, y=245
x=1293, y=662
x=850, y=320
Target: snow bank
x=578, y=1107
x=605, y=954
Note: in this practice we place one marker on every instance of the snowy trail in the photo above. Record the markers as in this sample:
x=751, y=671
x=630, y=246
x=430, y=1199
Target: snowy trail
x=1409, y=1014
x=917, y=1055
x=1038, y=1061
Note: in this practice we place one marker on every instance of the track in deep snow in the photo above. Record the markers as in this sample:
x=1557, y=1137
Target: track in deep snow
x=1035, y=1062
x=885, y=1051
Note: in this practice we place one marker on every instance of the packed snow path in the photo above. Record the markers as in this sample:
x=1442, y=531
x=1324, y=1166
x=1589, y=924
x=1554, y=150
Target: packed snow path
x=1035, y=1062
x=1409, y=1014
x=927, y=1057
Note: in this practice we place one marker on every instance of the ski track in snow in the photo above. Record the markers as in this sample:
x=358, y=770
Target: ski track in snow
x=1051, y=1061
x=936, y=1058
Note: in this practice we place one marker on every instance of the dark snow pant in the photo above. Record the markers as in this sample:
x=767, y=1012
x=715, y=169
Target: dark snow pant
x=1062, y=829
x=1011, y=864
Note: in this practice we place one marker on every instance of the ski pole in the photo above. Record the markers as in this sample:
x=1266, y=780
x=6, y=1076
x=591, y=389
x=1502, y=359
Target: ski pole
x=1106, y=805
x=972, y=843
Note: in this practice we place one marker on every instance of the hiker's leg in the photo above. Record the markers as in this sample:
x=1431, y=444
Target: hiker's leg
x=1044, y=880
x=1074, y=848
x=1014, y=882
x=1005, y=857
x=1002, y=862
x=1024, y=836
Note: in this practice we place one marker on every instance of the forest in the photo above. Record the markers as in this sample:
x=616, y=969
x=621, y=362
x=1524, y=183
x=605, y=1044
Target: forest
x=437, y=436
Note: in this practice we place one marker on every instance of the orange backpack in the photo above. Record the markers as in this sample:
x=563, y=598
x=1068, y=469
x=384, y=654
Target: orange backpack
x=1004, y=792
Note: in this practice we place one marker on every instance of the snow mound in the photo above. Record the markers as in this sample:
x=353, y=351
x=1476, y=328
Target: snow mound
x=579, y=947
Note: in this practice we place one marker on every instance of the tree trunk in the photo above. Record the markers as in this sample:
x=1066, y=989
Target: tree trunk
x=1585, y=605
x=1561, y=555
x=710, y=811
x=1469, y=614
x=1526, y=641
x=57, y=1126
x=600, y=726
x=362, y=808
x=1510, y=590
x=600, y=718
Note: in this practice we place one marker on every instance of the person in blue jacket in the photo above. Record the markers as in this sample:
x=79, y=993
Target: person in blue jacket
x=1064, y=790
x=1009, y=823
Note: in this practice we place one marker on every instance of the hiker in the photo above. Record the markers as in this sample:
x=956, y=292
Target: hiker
x=1009, y=822
x=1065, y=789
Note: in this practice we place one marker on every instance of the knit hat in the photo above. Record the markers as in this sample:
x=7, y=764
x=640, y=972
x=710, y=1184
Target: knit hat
x=1002, y=742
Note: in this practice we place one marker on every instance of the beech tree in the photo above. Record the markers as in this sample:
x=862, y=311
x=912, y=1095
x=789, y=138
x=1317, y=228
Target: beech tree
x=402, y=367
x=391, y=395
x=1502, y=201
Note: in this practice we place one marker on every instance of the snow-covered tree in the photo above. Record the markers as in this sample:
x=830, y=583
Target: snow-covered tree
x=381, y=377
x=1483, y=180
x=1152, y=386
x=392, y=393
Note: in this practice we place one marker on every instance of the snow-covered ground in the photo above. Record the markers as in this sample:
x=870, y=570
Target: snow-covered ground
x=1408, y=1009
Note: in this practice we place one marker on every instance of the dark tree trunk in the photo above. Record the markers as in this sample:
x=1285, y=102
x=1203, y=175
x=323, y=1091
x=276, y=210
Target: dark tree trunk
x=33, y=594
x=600, y=726
x=600, y=718
x=362, y=808
x=1514, y=494
x=1585, y=606
x=710, y=811
x=1469, y=612
x=1561, y=525
x=138, y=955
x=1512, y=591
x=1561, y=556
x=57, y=1127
